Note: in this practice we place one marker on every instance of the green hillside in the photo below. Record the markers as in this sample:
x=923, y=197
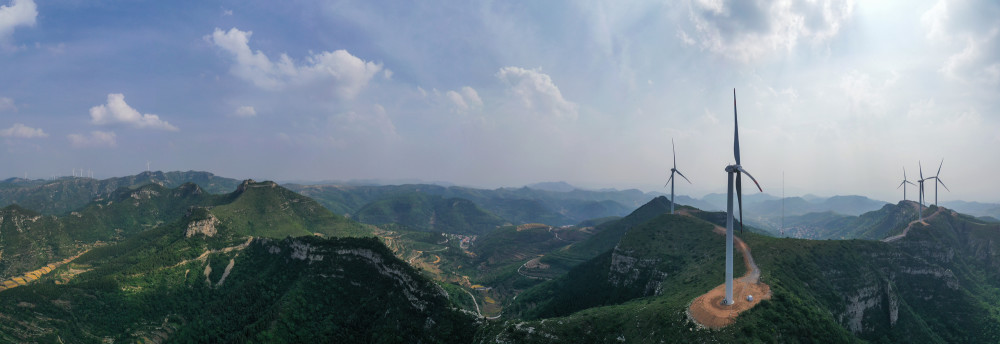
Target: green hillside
x=874, y=225
x=29, y=240
x=161, y=285
x=423, y=212
x=266, y=209
x=938, y=284
x=66, y=194
x=606, y=236
x=514, y=205
x=651, y=259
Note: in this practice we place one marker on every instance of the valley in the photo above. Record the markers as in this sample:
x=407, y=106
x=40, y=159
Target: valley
x=645, y=276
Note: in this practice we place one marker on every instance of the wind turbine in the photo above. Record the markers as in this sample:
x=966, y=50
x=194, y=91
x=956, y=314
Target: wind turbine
x=921, y=182
x=937, y=179
x=671, y=179
x=738, y=171
x=903, y=184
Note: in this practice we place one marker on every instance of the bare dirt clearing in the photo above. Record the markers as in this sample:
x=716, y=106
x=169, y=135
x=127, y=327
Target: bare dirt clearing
x=707, y=310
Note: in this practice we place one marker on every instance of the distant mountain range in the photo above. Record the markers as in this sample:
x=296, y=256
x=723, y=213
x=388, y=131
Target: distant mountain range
x=147, y=262
x=65, y=194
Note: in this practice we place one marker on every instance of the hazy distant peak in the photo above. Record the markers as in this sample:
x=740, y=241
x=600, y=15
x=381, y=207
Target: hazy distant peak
x=552, y=186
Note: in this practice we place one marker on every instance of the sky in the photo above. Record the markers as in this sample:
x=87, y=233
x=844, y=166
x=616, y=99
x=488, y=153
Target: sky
x=838, y=96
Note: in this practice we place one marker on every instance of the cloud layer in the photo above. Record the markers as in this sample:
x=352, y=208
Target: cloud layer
x=95, y=139
x=748, y=30
x=344, y=73
x=18, y=13
x=22, y=131
x=971, y=29
x=536, y=92
x=116, y=111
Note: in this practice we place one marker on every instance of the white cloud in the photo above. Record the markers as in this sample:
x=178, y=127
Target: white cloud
x=7, y=104
x=22, y=131
x=747, y=30
x=372, y=123
x=346, y=74
x=18, y=13
x=866, y=97
x=536, y=91
x=95, y=139
x=466, y=99
x=117, y=111
x=970, y=28
x=245, y=111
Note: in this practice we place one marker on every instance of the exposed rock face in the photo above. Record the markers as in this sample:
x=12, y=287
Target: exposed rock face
x=626, y=271
x=250, y=183
x=416, y=292
x=409, y=286
x=144, y=193
x=303, y=251
x=204, y=227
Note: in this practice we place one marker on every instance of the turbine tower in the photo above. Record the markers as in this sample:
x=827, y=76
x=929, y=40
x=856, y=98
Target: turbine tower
x=921, y=182
x=671, y=179
x=903, y=184
x=738, y=171
x=937, y=180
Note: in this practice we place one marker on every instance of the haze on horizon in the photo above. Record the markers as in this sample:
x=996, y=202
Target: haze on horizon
x=838, y=95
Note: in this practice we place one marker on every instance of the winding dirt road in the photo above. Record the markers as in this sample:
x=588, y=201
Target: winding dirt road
x=907, y=229
x=707, y=310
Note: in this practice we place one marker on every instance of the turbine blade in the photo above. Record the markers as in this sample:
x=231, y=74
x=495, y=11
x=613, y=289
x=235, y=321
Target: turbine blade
x=904, y=172
x=939, y=168
x=751, y=178
x=921, y=170
x=736, y=131
x=942, y=184
x=682, y=175
x=909, y=182
x=669, y=179
x=675, y=152
x=900, y=185
x=739, y=198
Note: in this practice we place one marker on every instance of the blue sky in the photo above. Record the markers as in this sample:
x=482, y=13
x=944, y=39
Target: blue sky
x=839, y=95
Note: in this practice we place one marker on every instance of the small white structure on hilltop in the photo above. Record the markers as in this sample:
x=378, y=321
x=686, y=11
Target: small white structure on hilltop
x=750, y=298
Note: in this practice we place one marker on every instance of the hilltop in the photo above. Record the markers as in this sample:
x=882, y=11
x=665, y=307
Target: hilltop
x=60, y=196
x=28, y=239
x=936, y=284
x=181, y=264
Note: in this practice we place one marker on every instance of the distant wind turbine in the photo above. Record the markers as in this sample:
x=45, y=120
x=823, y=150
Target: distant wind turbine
x=937, y=179
x=738, y=171
x=921, y=182
x=903, y=183
x=671, y=179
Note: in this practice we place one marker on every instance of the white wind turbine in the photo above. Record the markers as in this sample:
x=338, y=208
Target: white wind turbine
x=903, y=183
x=738, y=171
x=937, y=179
x=671, y=179
x=921, y=182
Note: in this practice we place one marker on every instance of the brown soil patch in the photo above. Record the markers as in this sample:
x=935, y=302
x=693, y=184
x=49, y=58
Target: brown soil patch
x=708, y=309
